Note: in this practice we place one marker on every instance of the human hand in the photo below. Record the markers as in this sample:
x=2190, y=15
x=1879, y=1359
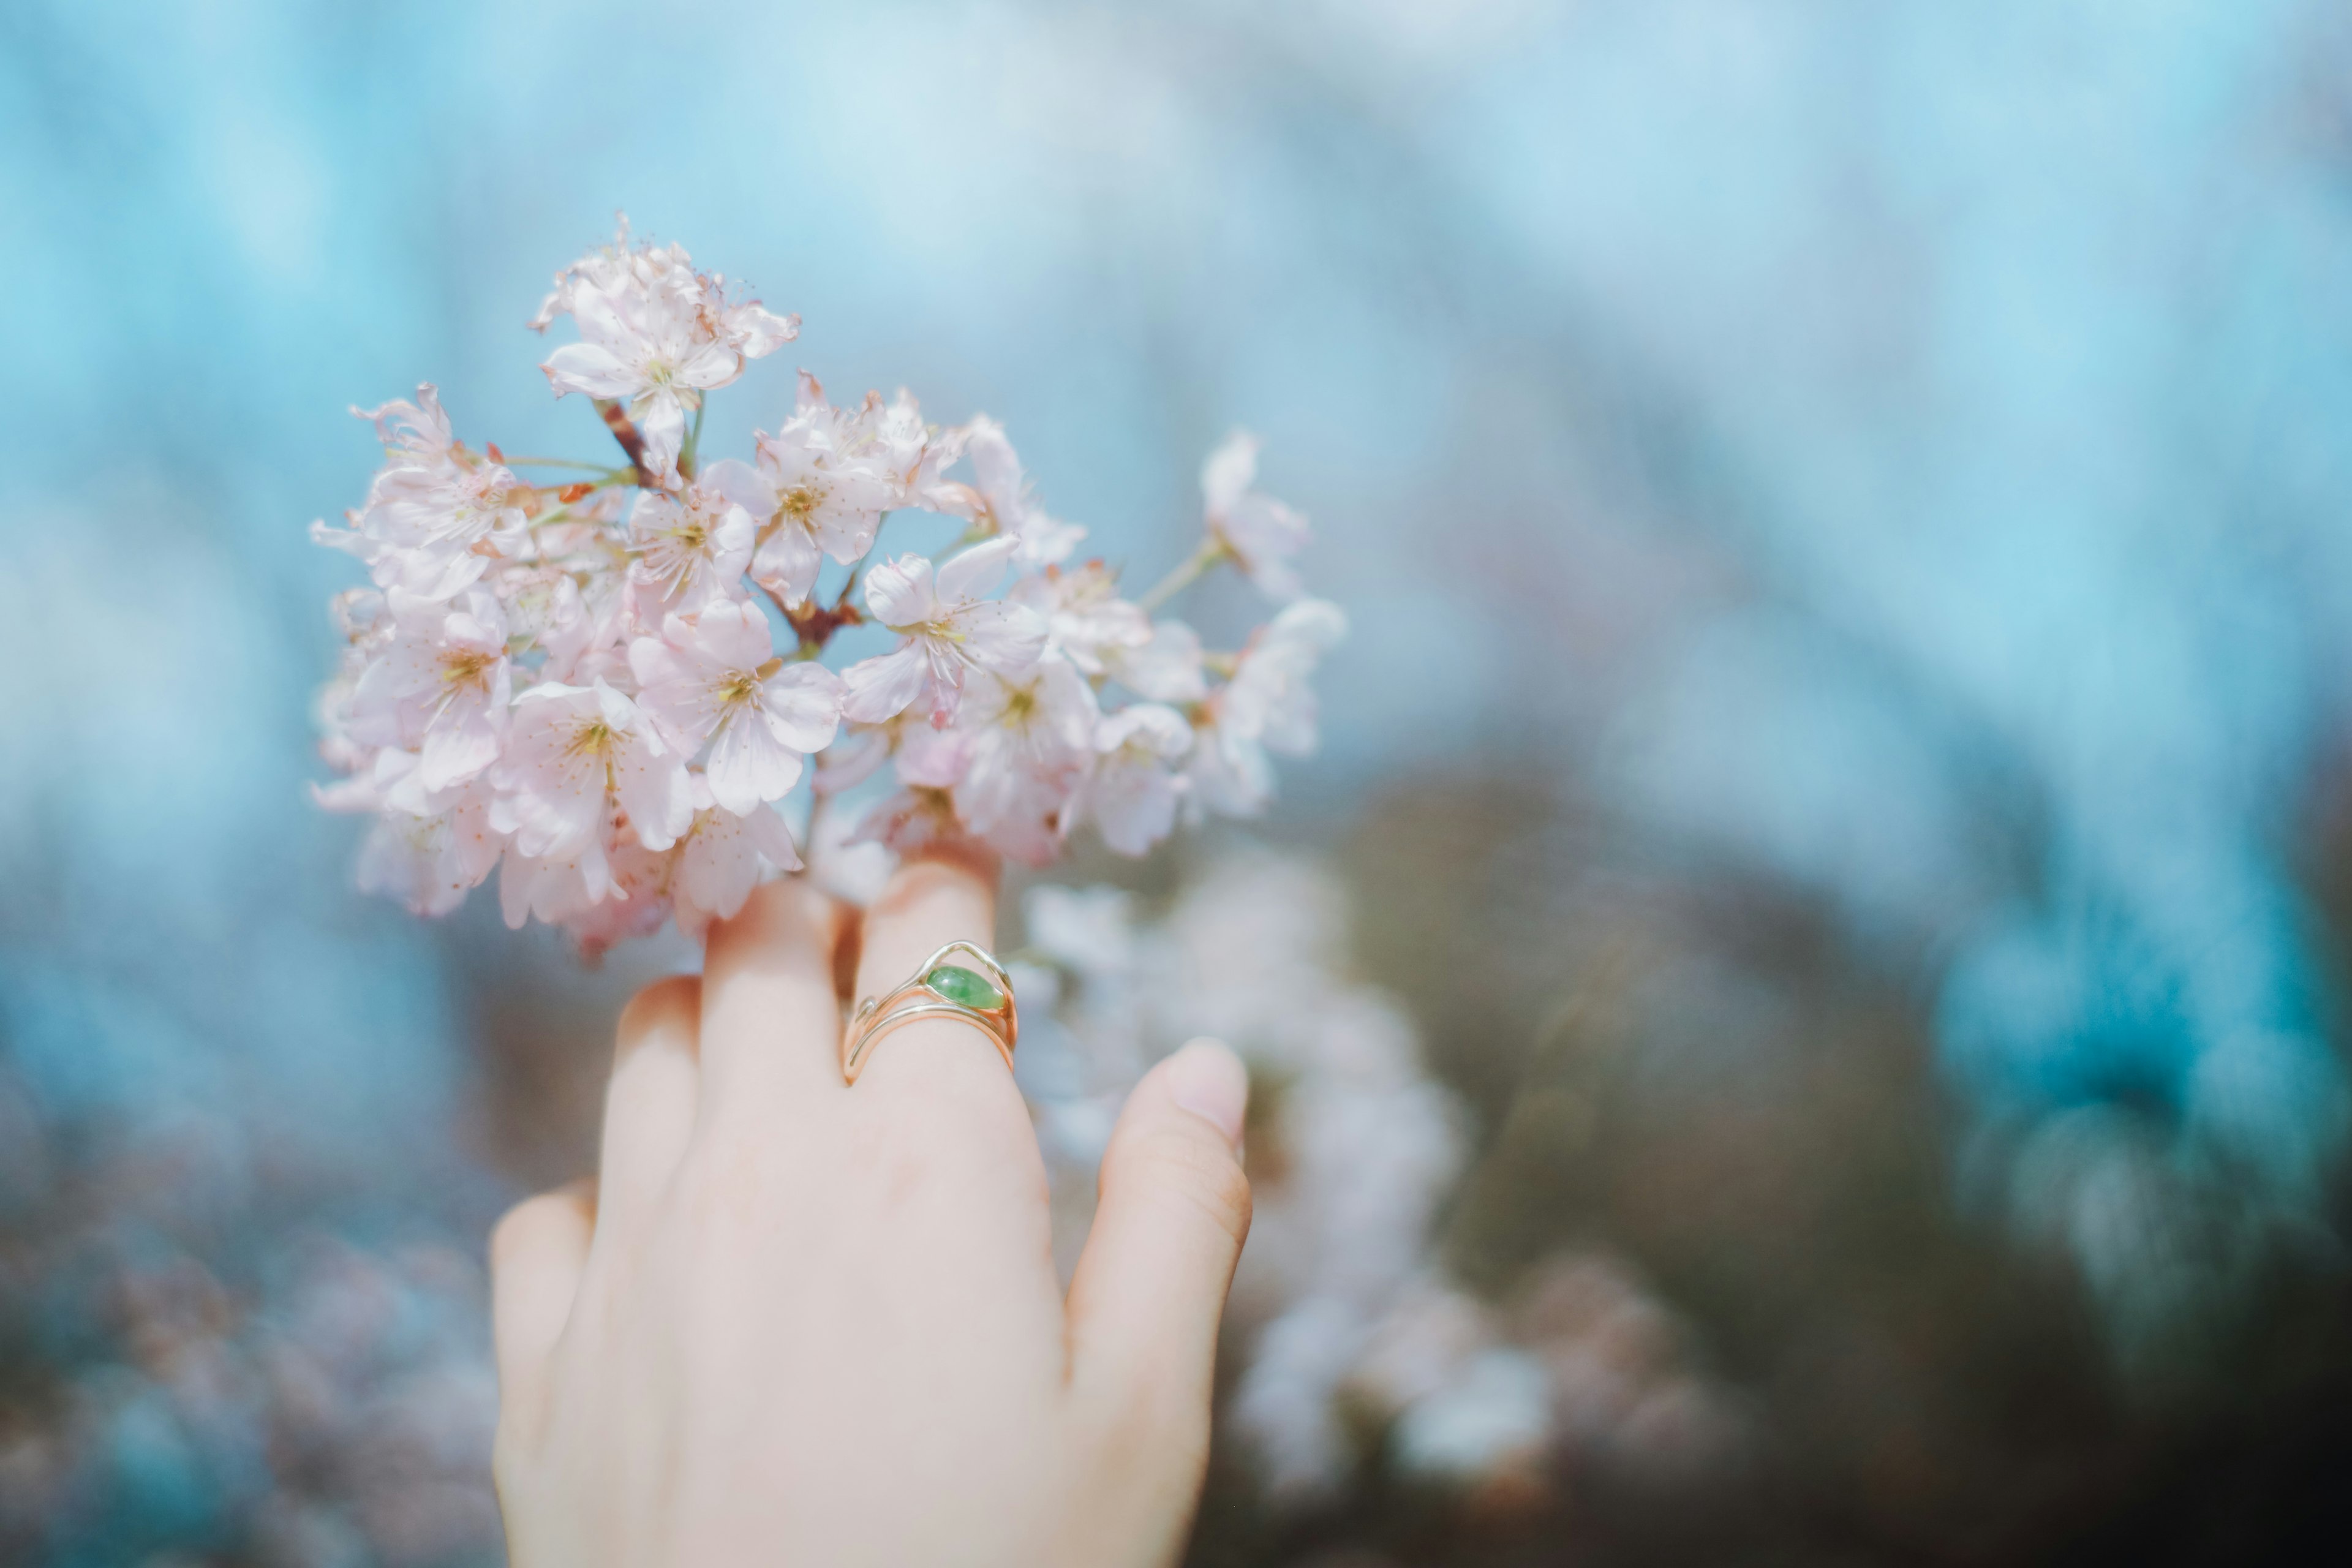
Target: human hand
x=797, y=1322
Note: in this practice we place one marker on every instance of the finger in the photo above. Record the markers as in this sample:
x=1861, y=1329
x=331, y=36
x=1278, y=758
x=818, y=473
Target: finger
x=537, y=1254
x=650, y=1104
x=1150, y=1286
x=770, y=1021
x=927, y=905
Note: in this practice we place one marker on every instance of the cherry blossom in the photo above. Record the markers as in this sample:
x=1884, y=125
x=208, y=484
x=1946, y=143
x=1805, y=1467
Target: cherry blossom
x=1086, y=620
x=947, y=627
x=1266, y=707
x=723, y=856
x=691, y=547
x=656, y=335
x=1167, y=667
x=578, y=757
x=1031, y=740
x=1001, y=502
x=829, y=477
x=1261, y=532
x=1135, y=790
x=435, y=513
x=714, y=678
x=575, y=678
x=441, y=683
x=912, y=820
x=426, y=849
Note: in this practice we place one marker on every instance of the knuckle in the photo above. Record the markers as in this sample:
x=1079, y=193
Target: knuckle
x=539, y=1216
x=517, y=1228
x=672, y=1002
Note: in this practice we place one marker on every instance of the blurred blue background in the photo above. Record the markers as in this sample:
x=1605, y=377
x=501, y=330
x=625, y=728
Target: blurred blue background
x=1890, y=452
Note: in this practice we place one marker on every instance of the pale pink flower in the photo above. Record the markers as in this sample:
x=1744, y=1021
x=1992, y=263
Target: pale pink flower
x=1031, y=742
x=715, y=676
x=1267, y=706
x=620, y=892
x=723, y=858
x=439, y=685
x=948, y=629
x=656, y=335
x=641, y=899
x=1135, y=789
x=692, y=547
x=1270, y=696
x=1001, y=500
x=1086, y=620
x=429, y=861
x=436, y=514
x=360, y=615
x=577, y=759
x=830, y=478
x=1167, y=667
x=932, y=759
x=546, y=612
x=1261, y=532
x=909, y=822
x=912, y=451
x=553, y=889
x=427, y=849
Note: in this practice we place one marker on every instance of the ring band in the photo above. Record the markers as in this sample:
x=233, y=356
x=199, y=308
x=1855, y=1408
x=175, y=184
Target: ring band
x=979, y=993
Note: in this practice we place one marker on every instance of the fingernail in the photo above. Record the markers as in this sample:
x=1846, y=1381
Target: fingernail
x=1210, y=1081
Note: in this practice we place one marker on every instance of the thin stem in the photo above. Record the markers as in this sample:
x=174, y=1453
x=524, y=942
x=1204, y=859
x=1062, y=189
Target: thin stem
x=1184, y=576
x=513, y=461
x=687, y=460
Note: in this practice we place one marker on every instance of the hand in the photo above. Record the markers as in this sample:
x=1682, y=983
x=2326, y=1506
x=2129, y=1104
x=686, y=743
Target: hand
x=802, y=1322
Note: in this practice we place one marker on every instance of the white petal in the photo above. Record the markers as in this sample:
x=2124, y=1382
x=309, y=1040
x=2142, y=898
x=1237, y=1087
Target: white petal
x=803, y=705
x=899, y=593
x=741, y=483
x=1134, y=807
x=1168, y=668
x=787, y=562
x=879, y=688
x=651, y=786
x=661, y=420
x=1226, y=476
x=750, y=765
x=455, y=753
x=734, y=635
x=1006, y=638
x=773, y=839
x=973, y=574
x=585, y=368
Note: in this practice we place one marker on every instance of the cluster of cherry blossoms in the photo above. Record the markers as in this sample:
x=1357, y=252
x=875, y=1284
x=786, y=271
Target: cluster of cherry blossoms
x=611, y=689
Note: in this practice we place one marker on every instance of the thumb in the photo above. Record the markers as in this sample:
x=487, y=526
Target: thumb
x=1175, y=1206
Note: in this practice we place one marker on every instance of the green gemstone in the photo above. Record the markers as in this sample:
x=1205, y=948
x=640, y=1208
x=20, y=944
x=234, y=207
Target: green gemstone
x=964, y=988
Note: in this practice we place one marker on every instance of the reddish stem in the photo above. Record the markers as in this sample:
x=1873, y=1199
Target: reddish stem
x=625, y=433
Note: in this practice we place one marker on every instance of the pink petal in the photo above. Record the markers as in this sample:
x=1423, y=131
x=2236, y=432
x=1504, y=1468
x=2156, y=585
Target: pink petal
x=899, y=594
x=880, y=689
x=1006, y=638
x=585, y=368
x=750, y=765
x=973, y=574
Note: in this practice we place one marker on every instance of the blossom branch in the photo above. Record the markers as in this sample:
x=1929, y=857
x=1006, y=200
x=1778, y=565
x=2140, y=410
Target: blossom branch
x=577, y=685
